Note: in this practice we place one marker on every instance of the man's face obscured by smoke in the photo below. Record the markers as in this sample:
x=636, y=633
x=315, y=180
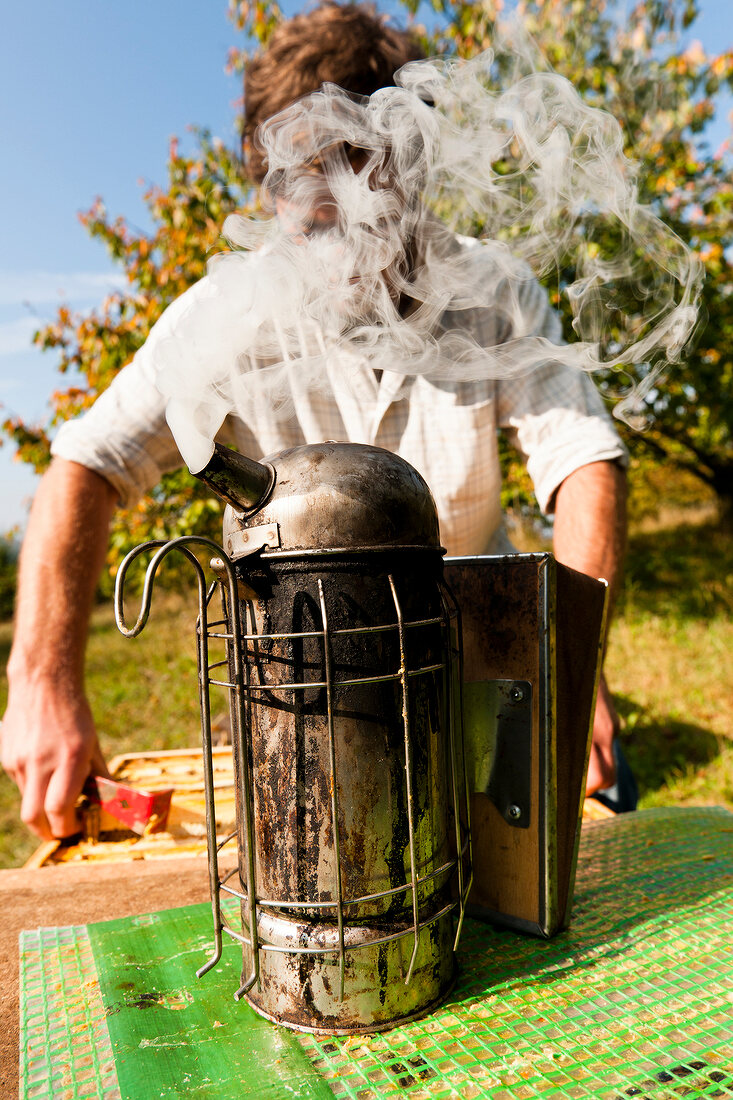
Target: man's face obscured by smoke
x=305, y=202
x=357, y=182
x=337, y=173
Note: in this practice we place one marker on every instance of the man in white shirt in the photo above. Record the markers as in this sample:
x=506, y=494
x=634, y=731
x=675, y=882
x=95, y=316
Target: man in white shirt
x=447, y=429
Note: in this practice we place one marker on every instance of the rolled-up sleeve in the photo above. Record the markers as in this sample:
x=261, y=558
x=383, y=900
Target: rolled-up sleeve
x=124, y=436
x=554, y=414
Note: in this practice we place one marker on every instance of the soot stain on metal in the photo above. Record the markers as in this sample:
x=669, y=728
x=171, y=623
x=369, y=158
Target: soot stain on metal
x=291, y=771
x=382, y=970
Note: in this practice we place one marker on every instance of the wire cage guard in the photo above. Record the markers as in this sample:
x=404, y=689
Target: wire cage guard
x=351, y=900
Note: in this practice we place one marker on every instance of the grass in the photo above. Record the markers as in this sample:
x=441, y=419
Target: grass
x=143, y=692
x=669, y=666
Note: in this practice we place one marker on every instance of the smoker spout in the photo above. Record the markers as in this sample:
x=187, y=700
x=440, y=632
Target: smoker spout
x=238, y=480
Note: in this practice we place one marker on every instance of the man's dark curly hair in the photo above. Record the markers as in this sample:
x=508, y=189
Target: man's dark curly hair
x=344, y=44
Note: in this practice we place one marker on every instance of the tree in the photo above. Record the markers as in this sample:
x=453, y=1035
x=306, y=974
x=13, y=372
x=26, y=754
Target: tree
x=664, y=99
x=8, y=577
x=202, y=189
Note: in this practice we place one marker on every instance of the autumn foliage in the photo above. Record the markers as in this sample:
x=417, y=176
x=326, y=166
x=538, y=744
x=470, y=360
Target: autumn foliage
x=663, y=96
x=202, y=190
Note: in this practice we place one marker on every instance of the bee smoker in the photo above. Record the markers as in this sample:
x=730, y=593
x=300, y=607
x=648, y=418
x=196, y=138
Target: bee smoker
x=352, y=818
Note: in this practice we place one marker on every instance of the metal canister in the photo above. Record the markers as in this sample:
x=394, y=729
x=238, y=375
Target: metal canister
x=353, y=852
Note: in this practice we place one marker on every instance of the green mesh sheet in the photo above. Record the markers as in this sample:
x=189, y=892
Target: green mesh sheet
x=635, y=1000
x=115, y=1011
x=64, y=1043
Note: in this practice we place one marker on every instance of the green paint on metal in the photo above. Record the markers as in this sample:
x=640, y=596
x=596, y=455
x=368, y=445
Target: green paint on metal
x=174, y=1035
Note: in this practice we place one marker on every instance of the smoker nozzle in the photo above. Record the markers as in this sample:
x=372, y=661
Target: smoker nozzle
x=238, y=480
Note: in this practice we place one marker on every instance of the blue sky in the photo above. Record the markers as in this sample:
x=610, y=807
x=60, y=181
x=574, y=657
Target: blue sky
x=91, y=91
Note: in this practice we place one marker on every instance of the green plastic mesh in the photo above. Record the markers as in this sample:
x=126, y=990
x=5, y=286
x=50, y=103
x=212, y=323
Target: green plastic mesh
x=64, y=1043
x=173, y=1035
x=634, y=1001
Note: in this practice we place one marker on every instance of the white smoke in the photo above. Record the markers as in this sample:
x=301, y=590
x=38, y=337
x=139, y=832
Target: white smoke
x=359, y=253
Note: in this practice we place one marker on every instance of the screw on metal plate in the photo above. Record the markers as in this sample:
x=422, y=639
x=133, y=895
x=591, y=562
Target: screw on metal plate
x=510, y=781
x=250, y=539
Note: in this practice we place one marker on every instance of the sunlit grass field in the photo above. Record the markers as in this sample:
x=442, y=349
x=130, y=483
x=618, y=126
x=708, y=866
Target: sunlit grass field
x=670, y=666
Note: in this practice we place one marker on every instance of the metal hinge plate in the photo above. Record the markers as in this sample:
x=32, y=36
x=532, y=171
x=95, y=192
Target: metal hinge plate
x=240, y=544
x=498, y=739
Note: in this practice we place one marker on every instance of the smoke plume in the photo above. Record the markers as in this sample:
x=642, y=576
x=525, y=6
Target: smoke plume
x=357, y=253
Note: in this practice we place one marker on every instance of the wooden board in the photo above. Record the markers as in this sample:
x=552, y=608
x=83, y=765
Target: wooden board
x=185, y=833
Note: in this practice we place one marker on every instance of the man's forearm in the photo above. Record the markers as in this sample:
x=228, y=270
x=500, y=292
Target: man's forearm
x=590, y=522
x=62, y=557
x=49, y=743
x=590, y=536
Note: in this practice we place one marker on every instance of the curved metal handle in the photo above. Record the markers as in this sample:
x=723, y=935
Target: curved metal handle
x=235, y=636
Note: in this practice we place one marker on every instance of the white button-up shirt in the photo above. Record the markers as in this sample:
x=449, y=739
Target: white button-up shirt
x=446, y=430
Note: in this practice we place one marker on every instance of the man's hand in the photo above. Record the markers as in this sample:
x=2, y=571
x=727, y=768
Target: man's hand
x=49, y=744
x=601, y=765
x=49, y=747
x=590, y=536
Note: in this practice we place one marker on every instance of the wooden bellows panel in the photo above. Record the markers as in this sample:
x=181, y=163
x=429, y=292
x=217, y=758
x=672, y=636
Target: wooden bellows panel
x=532, y=634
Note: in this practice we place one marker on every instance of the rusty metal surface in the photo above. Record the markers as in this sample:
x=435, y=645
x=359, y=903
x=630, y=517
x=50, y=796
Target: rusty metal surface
x=329, y=497
x=500, y=603
x=352, y=819
x=302, y=991
x=508, y=633
x=325, y=740
x=289, y=743
x=241, y=482
x=527, y=617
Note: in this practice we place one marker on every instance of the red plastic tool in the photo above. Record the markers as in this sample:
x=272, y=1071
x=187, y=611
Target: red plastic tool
x=138, y=810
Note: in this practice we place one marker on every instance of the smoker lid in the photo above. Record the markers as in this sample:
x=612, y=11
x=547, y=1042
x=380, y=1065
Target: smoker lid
x=337, y=497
